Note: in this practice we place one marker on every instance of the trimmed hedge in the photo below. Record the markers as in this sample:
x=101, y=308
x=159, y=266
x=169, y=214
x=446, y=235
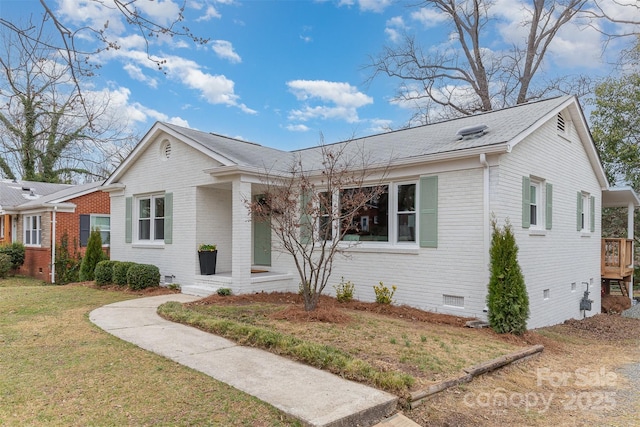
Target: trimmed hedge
x=15, y=251
x=103, y=273
x=142, y=276
x=120, y=269
x=5, y=265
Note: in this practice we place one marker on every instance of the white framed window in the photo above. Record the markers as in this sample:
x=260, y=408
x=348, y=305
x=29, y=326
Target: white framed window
x=33, y=230
x=406, y=212
x=535, y=212
x=1, y=226
x=102, y=223
x=537, y=204
x=150, y=218
x=586, y=212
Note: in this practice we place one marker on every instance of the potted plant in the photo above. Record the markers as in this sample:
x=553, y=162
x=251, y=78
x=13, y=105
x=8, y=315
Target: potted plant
x=208, y=255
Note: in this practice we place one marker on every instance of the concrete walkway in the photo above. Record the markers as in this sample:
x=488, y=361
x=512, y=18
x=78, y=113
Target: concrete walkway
x=315, y=397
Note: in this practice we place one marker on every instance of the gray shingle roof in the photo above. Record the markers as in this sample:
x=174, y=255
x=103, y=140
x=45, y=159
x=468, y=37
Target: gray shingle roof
x=437, y=138
x=13, y=194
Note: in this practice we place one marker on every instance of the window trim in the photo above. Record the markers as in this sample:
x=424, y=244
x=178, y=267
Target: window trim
x=27, y=218
x=152, y=219
x=2, y=218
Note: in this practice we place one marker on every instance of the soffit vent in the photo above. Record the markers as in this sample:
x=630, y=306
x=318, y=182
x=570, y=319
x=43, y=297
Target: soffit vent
x=474, y=131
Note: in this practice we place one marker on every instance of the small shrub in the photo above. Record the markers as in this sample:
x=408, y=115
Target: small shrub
x=142, y=276
x=507, y=297
x=103, y=273
x=344, y=291
x=223, y=292
x=120, y=269
x=173, y=286
x=92, y=256
x=5, y=265
x=384, y=295
x=15, y=251
x=67, y=265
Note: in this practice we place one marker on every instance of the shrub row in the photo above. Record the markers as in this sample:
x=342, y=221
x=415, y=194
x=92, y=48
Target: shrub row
x=137, y=276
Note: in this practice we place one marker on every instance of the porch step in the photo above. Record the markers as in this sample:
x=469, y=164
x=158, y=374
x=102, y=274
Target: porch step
x=198, y=290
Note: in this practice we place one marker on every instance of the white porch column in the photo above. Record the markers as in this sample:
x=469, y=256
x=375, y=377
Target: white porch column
x=630, y=231
x=240, y=235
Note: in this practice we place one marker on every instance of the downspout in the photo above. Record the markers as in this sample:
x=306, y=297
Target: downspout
x=487, y=207
x=486, y=215
x=53, y=246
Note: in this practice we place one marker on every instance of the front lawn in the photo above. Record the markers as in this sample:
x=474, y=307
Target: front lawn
x=57, y=368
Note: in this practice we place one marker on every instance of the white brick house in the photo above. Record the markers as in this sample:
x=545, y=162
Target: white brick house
x=534, y=164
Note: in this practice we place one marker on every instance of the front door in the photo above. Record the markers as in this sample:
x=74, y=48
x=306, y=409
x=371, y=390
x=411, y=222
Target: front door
x=261, y=242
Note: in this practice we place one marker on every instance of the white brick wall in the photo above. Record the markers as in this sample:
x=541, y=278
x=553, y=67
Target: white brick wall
x=563, y=255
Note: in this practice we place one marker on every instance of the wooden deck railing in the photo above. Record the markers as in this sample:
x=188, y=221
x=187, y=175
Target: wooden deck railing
x=617, y=258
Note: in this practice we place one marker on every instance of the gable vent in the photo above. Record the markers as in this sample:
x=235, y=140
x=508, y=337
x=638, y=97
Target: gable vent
x=474, y=131
x=165, y=150
x=562, y=126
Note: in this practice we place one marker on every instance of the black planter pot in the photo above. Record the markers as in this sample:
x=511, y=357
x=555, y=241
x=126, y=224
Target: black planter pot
x=208, y=261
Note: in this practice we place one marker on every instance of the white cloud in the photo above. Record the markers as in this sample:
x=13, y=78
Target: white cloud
x=136, y=73
x=367, y=5
x=395, y=27
x=214, y=88
x=428, y=17
x=210, y=13
x=224, y=50
x=297, y=128
x=343, y=99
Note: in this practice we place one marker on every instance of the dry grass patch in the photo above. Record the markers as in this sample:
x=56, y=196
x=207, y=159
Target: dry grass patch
x=59, y=369
x=429, y=347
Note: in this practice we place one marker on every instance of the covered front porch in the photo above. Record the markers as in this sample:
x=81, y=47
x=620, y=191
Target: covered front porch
x=244, y=260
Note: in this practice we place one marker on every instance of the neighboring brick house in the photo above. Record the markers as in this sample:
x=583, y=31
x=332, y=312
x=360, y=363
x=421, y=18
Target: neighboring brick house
x=29, y=209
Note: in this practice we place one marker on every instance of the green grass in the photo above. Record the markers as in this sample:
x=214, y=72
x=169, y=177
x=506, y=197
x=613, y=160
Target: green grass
x=57, y=368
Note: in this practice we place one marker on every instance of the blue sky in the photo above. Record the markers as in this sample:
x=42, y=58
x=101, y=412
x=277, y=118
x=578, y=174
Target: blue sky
x=279, y=73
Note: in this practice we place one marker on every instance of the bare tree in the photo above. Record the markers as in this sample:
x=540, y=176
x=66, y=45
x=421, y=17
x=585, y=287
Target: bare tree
x=71, y=41
x=50, y=131
x=471, y=77
x=311, y=209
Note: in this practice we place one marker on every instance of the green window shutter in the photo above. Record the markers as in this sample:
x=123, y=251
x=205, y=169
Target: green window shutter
x=306, y=226
x=579, y=212
x=548, y=215
x=592, y=214
x=429, y=212
x=128, y=219
x=526, y=202
x=168, y=218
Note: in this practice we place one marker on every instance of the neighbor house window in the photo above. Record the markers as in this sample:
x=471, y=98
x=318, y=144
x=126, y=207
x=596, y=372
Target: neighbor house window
x=33, y=230
x=371, y=221
x=95, y=222
x=1, y=226
x=151, y=218
x=406, y=212
x=102, y=223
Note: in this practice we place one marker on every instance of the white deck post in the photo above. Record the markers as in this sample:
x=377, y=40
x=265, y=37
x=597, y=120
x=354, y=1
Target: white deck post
x=241, y=236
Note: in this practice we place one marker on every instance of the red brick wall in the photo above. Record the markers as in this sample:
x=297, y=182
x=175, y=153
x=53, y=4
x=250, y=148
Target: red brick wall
x=37, y=262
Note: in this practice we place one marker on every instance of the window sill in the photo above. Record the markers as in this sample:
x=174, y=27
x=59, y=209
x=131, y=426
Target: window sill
x=381, y=249
x=148, y=245
x=537, y=232
x=585, y=234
